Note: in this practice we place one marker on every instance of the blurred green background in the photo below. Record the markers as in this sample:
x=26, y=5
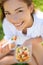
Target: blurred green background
x=37, y=3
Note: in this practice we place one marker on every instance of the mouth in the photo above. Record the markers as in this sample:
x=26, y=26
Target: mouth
x=19, y=24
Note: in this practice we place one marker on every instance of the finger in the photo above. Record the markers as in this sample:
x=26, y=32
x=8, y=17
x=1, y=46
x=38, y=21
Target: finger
x=7, y=60
x=10, y=53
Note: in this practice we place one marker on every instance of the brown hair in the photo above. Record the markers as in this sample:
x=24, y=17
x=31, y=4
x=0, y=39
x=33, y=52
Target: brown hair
x=2, y=1
x=28, y=2
x=2, y=8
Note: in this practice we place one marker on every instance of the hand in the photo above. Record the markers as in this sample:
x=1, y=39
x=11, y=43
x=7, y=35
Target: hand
x=8, y=59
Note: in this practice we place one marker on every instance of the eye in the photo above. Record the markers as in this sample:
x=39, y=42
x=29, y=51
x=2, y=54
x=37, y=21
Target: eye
x=7, y=13
x=20, y=10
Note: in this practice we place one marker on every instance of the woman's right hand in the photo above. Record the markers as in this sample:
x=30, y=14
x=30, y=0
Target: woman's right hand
x=7, y=60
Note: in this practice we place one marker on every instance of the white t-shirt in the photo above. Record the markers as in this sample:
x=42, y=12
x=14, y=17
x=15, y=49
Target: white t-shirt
x=35, y=31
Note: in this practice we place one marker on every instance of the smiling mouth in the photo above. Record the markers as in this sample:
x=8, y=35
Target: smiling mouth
x=17, y=25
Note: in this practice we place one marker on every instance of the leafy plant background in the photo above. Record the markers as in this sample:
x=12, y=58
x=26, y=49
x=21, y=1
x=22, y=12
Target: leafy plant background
x=37, y=3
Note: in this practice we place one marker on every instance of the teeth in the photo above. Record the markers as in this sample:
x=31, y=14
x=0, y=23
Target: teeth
x=19, y=24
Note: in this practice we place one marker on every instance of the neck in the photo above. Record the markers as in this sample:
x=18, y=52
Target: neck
x=24, y=31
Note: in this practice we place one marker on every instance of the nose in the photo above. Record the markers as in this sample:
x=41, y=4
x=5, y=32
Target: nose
x=16, y=18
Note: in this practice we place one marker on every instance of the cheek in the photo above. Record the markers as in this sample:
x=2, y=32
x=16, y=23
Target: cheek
x=9, y=19
x=28, y=18
x=27, y=15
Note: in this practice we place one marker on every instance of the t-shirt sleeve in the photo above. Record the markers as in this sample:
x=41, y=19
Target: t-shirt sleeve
x=8, y=30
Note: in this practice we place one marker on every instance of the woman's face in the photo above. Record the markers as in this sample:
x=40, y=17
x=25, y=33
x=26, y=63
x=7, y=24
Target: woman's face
x=18, y=14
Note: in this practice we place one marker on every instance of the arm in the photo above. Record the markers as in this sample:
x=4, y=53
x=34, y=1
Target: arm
x=37, y=51
x=6, y=60
x=3, y=41
x=5, y=50
x=9, y=59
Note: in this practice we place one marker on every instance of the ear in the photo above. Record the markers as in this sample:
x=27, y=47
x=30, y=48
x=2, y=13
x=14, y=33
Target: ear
x=31, y=8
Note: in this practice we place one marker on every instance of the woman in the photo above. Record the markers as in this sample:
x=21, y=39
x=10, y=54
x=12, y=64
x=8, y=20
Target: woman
x=20, y=20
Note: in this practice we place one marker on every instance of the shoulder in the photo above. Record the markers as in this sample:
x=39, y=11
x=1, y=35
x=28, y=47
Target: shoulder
x=8, y=27
x=7, y=24
x=39, y=14
x=38, y=17
x=5, y=21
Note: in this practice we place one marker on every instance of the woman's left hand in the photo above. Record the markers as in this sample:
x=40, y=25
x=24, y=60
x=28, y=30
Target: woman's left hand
x=37, y=50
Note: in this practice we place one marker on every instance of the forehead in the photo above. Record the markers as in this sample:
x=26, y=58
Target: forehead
x=13, y=4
